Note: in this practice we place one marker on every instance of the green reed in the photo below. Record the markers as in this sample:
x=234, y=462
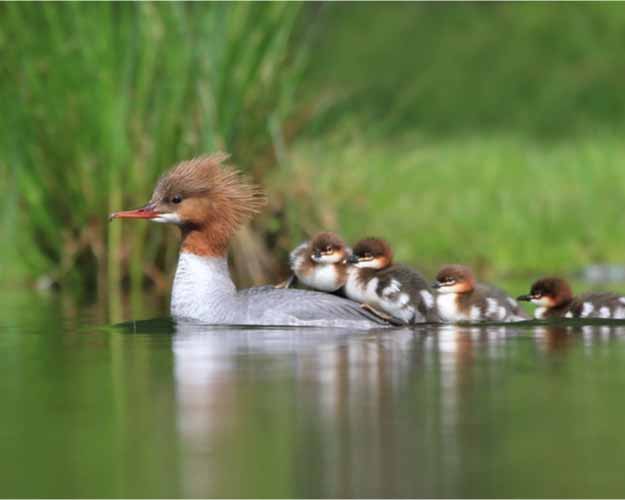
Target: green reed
x=99, y=98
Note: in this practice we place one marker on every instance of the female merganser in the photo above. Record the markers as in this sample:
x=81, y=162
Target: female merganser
x=555, y=299
x=320, y=263
x=208, y=201
x=460, y=298
x=395, y=289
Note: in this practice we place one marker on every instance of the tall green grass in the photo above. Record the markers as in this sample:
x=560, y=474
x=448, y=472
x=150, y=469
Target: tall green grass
x=99, y=98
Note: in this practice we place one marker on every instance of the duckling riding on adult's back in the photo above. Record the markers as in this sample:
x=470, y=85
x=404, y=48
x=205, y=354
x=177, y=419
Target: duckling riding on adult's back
x=208, y=201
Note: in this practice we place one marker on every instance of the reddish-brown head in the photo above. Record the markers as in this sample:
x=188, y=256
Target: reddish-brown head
x=454, y=279
x=549, y=292
x=327, y=248
x=373, y=253
x=206, y=199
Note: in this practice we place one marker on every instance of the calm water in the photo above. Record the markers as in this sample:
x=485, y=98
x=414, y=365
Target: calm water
x=156, y=409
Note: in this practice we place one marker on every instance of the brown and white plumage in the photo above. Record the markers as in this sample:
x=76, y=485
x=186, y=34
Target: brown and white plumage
x=394, y=289
x=554, y=298
x=321, y=262
x=460, y=299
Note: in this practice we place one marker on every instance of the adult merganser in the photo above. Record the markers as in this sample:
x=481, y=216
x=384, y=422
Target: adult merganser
x=208, y=201
x=395, y=289
x=320, y=263
x=460, y=298
x=555, y=299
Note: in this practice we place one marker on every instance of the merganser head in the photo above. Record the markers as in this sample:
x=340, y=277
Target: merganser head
x=327, y=248
x=206, y=199
x=374, y=253
x=454, y=279
x=549, y=292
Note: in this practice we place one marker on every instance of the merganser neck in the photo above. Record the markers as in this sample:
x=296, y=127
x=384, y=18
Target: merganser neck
x=203, y=288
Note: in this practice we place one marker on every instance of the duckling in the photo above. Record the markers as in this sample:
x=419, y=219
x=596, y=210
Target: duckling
x=555, y=299
x=394, y=289
x=460, y=298
x=320, y=263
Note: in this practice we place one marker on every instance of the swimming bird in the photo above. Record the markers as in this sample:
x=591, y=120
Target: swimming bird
x=459, y=298
x=208, y=200
x=393, y=289
x=554, y=298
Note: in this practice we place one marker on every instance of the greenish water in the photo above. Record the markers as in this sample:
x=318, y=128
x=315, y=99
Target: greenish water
x=154, y=409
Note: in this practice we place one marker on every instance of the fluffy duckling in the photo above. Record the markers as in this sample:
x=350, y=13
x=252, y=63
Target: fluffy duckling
x=395, y=290
x=460, y=298
x=320, y=263
x=555, y=299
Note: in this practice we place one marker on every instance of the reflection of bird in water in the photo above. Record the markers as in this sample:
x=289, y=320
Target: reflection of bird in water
x=554, y=338
x=558, y=338
x=236, y=385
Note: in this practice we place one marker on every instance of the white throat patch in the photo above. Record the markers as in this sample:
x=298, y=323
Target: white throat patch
x=170, y=218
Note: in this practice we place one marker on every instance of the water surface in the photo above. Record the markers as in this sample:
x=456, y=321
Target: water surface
x=155, y=409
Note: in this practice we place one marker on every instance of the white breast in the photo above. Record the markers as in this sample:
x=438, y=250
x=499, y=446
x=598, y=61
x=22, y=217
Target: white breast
x=448, y=308
x=359, y=291
x=323, y=277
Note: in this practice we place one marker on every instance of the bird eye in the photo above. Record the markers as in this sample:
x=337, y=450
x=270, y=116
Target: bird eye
x=176, y=199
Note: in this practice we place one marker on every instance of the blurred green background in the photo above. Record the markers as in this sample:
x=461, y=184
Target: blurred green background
x=489, y=134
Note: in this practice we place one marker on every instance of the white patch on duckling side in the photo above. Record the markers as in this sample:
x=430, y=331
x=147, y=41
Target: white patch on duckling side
x=371, y=291
x=619, y=313
x=392, y=288
x=491, y=308
x=568, y=315
x=501, y=313
x=587, y=309
x=539, y=313
x=512, y=302
x=355, y=290
x=296, y=257
x=403, y=299
x=604, y=312
x=475, y=313
x=428, y=300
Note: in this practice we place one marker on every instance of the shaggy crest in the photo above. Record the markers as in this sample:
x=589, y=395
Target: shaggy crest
x=207, y=176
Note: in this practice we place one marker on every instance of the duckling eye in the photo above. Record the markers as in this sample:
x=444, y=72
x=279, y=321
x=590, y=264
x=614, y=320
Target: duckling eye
x=176, y=199
x=329, y=249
